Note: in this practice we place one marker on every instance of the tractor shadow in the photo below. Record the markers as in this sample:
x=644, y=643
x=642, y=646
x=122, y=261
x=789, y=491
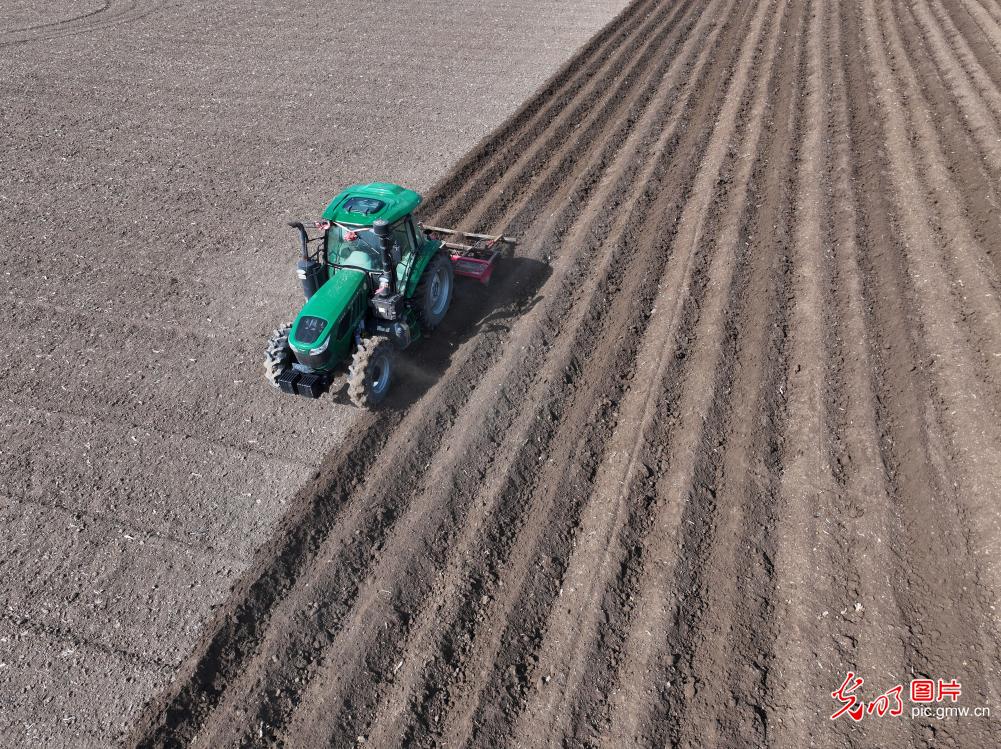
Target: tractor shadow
x=475, y=309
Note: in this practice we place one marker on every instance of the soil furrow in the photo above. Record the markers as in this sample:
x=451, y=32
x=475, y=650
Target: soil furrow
x=702, y=692
x=555, y=182
x=988, y=26
x=978, y=90
x=639, y=158
x=857, y=515
x=566, y=686
x=513, y=631
x=925, y=539
x=810, y=596
x=972, y=279
x=972, y=153
x=966, y=380
x=992, y=8
x=960, y=111
x=593, y=663
x=565, y=633
x=891, y=353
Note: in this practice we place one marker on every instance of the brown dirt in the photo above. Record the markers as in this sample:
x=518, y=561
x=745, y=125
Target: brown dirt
x=152, y=152
x=725, y=427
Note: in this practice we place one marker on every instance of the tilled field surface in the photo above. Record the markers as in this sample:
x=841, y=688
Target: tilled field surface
x=151, y=154
x=723, y=429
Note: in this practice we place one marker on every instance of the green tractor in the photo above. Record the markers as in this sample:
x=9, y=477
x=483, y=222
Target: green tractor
x=375, y=281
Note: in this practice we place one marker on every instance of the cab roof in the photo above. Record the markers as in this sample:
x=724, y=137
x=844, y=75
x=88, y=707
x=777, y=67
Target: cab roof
x=363, y=205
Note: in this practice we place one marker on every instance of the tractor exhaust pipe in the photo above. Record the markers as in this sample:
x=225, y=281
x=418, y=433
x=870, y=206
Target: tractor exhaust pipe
x=303, y=238
x=311, y=273
x=388, y=280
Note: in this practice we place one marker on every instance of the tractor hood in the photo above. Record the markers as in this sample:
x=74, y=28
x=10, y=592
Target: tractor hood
x=320, y=319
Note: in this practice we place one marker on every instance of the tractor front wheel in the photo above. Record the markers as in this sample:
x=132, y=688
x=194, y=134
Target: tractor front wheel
x=371, y=372
x=278, y=354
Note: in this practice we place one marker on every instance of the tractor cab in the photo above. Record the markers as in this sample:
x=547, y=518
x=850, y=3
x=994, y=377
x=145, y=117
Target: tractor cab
x=367, y=228
x=360, y=247
x=352, y=214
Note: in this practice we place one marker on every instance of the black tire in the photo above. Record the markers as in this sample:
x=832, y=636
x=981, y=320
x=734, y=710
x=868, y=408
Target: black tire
x=434, y=292
x=370, y=374
x=278, y=355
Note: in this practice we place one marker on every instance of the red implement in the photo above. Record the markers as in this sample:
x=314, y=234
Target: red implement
x=476, y=260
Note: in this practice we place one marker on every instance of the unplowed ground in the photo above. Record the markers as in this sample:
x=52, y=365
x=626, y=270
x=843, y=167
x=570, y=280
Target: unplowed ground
x=725, y=428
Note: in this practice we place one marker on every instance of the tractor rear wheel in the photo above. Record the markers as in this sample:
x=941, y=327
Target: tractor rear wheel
x=434, y=292
x=371, y=372
x=278, y=354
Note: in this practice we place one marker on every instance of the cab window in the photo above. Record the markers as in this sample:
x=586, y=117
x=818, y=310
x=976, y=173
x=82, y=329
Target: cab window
x=418, y=235
x=403, y=239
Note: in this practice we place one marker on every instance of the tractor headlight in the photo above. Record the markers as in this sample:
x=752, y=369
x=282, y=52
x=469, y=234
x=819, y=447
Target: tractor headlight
x=321, y=348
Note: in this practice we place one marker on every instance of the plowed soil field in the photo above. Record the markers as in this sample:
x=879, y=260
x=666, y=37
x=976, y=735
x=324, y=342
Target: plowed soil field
x=151, y=154
x=724, y=428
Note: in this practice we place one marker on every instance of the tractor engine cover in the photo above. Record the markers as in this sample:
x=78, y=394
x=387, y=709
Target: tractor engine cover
x=387, y=307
